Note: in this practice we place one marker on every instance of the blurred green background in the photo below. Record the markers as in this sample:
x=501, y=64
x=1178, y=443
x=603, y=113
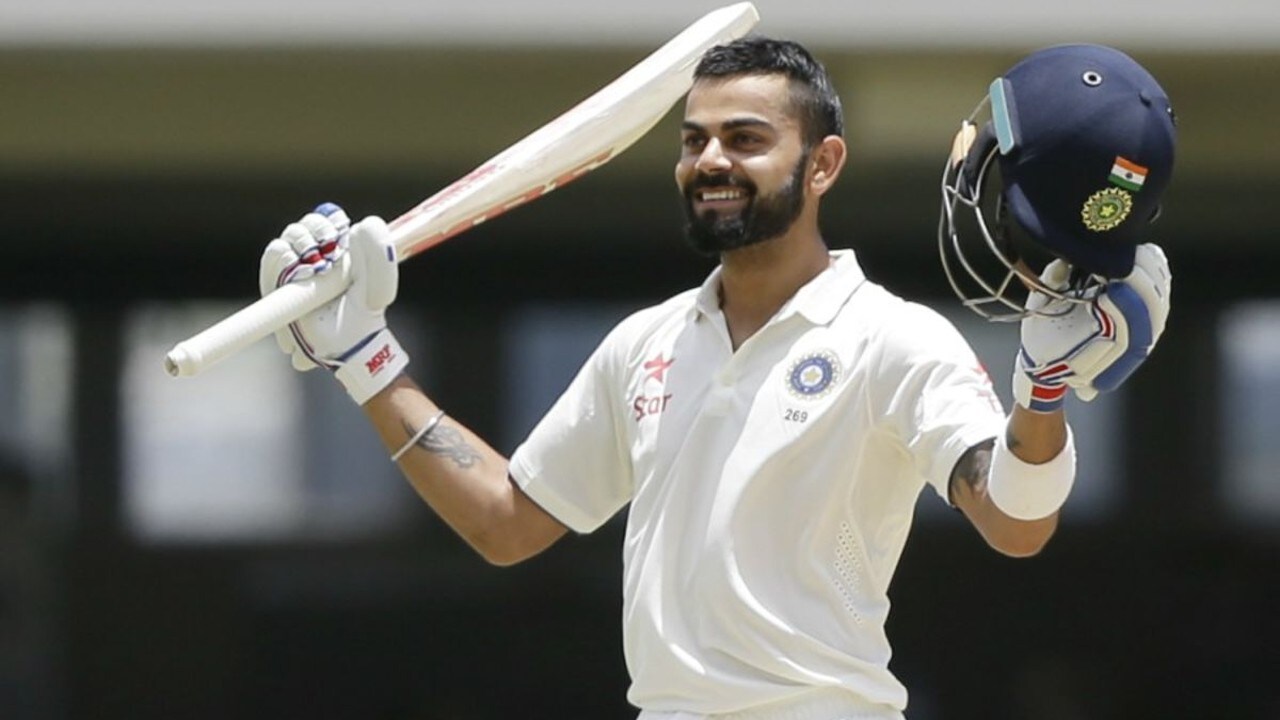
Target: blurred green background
x=236, y=545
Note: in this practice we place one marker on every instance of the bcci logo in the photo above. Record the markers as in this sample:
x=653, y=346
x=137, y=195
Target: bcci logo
x=1106, y=209
x=814, y=375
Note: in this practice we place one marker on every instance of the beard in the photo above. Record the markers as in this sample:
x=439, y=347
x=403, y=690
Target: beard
x=763, y=218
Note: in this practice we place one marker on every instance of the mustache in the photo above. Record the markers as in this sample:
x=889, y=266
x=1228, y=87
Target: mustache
x=701, y=181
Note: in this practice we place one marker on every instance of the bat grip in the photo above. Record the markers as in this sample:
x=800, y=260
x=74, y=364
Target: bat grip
x=253, y=322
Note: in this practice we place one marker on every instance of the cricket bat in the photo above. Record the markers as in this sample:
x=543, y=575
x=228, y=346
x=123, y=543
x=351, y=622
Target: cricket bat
x=587, y=136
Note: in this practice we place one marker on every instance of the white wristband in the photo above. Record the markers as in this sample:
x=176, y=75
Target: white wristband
x=372, y=367
x=1025, y=491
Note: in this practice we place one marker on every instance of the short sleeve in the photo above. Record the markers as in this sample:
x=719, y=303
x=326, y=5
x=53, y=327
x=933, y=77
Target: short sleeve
x=575, y=463
x=937, y=396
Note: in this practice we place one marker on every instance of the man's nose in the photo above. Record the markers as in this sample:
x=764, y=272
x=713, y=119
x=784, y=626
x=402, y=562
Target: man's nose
x=712, y=160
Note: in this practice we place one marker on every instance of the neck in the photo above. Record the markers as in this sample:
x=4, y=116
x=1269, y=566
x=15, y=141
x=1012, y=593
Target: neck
x=756, y=281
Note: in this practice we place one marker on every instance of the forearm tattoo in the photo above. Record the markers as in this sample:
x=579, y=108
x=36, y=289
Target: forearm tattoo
x=972, y=469
x=448, y=443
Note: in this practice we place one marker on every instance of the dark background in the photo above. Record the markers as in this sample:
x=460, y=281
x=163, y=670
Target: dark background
x=156, y=176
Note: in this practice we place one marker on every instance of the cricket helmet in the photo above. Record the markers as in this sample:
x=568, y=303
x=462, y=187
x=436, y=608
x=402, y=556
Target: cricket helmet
x=1066, y=157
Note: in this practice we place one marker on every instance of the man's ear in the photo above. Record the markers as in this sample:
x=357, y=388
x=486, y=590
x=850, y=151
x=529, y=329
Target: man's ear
x=828, y=159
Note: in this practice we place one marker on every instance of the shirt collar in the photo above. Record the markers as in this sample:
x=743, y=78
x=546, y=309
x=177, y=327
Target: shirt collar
x=708, y=300
x=818, y=300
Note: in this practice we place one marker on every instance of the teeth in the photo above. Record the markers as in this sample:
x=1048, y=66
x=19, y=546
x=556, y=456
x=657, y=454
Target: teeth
x=722, y=195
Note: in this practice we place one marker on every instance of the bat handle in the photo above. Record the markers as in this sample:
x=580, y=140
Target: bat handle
x=254, y=322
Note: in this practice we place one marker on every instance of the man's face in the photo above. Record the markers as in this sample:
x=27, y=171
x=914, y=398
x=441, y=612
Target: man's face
x=742, y=168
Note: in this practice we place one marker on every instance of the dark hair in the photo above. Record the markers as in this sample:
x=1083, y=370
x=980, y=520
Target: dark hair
x=812, y=93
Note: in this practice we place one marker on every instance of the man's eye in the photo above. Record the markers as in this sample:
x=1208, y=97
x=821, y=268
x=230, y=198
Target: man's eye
x=694, y=141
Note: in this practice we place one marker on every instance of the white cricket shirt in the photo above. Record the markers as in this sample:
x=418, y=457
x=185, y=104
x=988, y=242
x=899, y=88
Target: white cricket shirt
x=771, y=488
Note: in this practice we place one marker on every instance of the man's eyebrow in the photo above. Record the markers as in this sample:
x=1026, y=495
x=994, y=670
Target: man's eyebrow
x=734, y=124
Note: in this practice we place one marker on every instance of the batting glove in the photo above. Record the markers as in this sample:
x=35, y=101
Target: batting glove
x=1091, y=347
x=348, y=336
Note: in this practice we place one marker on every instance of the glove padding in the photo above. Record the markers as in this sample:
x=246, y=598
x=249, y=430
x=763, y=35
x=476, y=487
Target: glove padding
x=1091, y=347
x=348, y=335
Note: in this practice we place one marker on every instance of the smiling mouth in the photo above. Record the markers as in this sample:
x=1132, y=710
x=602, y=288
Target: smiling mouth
x=720, y=198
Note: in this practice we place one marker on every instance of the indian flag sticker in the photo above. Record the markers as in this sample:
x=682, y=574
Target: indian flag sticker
x=1128, y=174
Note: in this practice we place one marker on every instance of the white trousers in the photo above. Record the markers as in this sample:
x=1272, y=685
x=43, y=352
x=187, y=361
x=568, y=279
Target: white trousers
x=818, y=705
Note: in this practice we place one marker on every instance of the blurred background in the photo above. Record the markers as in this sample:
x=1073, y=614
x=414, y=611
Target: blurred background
x=237, y=545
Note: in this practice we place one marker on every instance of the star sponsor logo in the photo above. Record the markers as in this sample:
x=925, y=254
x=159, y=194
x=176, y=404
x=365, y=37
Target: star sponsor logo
x=656, y=368
x=814, y=375
x=644, y=406
x=649, y=403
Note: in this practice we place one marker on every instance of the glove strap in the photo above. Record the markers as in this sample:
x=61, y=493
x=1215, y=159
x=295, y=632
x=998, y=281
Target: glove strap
x=1041, y=391
x=1035, y=397
x=372, y=366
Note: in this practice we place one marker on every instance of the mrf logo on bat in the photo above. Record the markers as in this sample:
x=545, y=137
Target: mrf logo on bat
x=655, y=370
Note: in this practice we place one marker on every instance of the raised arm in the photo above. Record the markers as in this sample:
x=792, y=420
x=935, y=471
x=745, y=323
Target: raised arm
x=459, y=475
x=1033, y=438
x=1011, y=488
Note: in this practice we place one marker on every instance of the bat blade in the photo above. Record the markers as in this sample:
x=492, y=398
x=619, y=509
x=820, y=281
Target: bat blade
x=587, y=136
x=582, y=139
